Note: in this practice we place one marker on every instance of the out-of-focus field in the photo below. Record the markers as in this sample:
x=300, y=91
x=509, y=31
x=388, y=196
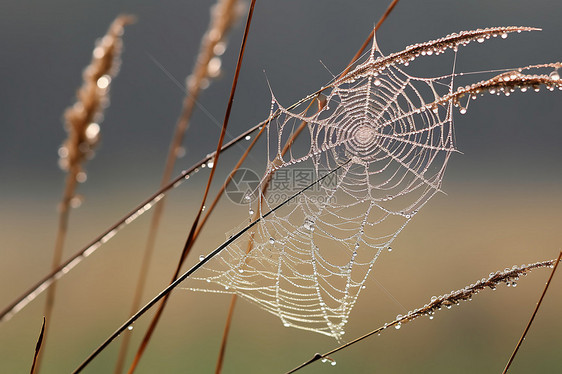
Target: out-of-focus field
x=454, y=241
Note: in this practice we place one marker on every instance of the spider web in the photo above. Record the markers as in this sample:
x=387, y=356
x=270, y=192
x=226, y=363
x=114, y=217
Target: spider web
x=389, y=145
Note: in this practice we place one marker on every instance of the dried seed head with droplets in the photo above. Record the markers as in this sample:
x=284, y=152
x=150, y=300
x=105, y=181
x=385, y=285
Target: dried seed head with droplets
x=82, y=119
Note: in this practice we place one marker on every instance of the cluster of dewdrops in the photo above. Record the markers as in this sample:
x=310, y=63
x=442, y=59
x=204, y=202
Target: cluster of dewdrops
x=434, y=47
x=216, y=37
x=505, y=84
x=83, y=118
x=507, y=276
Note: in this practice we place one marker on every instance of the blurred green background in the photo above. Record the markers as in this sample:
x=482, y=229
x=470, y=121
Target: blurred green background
x=502, y=207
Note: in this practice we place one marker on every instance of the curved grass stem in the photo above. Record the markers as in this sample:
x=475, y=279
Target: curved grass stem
x=187, y=246
x=436, y=303
x=223, y=17
x=512, y=357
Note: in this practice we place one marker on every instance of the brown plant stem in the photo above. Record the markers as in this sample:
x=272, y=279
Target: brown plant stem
x=512, y=357
x=187, y=245
x=38, y=347
x=379, y=23
x=82, y=139
x=223, y=16
x=64, y=214
x=225, y=334
x=436, y=303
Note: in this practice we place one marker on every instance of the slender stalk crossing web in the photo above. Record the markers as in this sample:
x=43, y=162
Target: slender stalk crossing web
x=391, y=136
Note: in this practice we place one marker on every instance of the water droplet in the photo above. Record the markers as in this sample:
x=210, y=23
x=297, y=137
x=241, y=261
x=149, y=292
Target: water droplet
x=390, y=249
x=247, y=137
x=210, y=164
x=76, y=202
x=462, y=111
x=214, y=67
x=81, y=177
x=180, y=152
x=431, y=316
x=480, y=40
x=554, y=75
x=92, y=131
x=271, y=241
x=433, y=298
x=324, y=360
x=201, y=257
x=309, y=224
x=504, y=35
x=397, y=326
x=333, y=363
x=103, y=81
x=98, y=52
x=251, y=211
x=377, y=82
x=130, y=327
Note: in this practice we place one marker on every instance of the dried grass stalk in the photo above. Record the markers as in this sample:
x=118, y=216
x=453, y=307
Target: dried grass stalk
x=81, y=119
x=81, y=123
x=505, y=83
x=437, y=46
x=208, y=65
x=437, y=303
x=187, y=246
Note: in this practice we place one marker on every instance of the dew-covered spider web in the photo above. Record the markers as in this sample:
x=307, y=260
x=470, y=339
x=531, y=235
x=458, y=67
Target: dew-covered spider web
x=388, y=141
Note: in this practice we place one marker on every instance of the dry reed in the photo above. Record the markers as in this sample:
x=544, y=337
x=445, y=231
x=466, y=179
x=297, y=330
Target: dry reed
x=38, y=347
x=207, y=66
x=437, y=303
x=82, y=126
x=188, y=243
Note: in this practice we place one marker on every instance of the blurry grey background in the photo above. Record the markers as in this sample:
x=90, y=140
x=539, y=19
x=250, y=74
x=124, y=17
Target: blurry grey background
x=45, y=46
x=509, y=169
